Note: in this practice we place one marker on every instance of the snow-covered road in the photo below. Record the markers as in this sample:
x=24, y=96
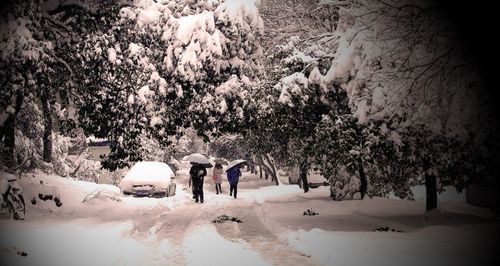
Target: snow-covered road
x=273, y=231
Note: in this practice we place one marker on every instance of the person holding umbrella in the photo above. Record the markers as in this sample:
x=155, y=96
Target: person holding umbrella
x=197, y=174
x=233, y=176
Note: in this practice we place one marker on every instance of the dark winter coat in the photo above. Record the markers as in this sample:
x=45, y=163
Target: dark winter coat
x=233, y=175
x=197, y=173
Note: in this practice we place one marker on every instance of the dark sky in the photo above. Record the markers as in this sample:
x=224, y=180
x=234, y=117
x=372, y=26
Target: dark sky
x=479, y=24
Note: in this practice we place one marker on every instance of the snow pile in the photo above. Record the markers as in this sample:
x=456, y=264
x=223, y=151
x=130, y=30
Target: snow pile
x=264, y=194
x=152, y=173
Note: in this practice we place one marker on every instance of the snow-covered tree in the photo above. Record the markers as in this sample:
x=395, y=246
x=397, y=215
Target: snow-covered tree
x=395, y=78
x=160, y=67
x=404, y=63
x=39, y=69
x=26, y=58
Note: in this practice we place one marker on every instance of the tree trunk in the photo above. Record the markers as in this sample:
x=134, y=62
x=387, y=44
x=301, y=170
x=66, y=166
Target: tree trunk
x=303, y=177
x=269, y=169
x=47, y=119
x=260, y=170
x=430, y=187
x=430, y=192
x=274, y=173
x=9, y=140
x=362, y=177
x=8, y=133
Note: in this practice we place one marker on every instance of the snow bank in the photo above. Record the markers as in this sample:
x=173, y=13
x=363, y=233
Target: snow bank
x=71, y=192
x=270, y=192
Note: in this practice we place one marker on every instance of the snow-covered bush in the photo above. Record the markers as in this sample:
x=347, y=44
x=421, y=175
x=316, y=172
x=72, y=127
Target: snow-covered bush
x=102, y=195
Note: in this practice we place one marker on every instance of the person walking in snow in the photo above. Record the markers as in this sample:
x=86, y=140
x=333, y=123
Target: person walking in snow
x=217, y=177
x=233, y=176
x=197, y=174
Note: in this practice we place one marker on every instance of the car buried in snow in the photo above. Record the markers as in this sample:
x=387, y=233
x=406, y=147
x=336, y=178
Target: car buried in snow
x=149, y=179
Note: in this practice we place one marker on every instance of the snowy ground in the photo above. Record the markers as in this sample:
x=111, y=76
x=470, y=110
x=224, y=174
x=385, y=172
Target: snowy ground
x=118, y=230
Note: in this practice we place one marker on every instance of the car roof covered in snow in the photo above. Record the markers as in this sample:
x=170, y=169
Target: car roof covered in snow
x=150, y=171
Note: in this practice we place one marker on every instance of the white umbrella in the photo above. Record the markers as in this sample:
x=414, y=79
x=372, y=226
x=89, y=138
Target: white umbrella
x=234, y=163
x=198, y=158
